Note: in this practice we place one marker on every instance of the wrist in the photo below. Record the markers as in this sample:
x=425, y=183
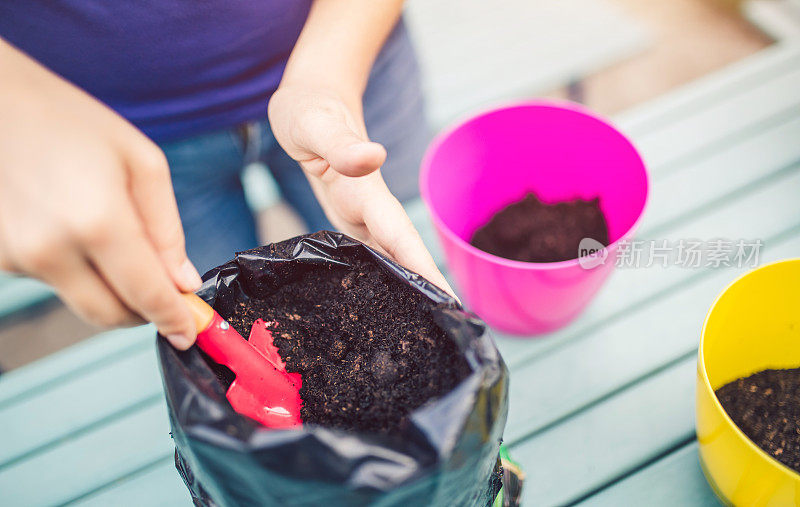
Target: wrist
x=25, y=84
x=347, y=88
x=347, y=94
x=338, y=44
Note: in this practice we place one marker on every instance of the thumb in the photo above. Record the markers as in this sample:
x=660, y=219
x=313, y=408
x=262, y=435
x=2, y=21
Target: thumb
x=333, y=143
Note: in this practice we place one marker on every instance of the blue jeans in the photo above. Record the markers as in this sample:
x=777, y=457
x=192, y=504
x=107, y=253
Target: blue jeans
x=206, y=169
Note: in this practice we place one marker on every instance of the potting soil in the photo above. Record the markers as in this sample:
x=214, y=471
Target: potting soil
x=766, y=406
x=366, y=346
x=532, y=231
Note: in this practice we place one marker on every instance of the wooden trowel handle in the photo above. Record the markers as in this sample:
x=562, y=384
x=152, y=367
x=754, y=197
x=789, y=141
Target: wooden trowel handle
x=201, y=311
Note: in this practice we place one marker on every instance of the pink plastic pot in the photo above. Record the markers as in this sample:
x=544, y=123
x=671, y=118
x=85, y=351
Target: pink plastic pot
x=558, y=150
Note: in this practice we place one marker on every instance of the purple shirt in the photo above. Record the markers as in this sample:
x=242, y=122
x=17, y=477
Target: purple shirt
x=171, y=67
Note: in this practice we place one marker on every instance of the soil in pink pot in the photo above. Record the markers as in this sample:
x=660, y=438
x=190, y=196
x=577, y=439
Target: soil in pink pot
x=532, y=231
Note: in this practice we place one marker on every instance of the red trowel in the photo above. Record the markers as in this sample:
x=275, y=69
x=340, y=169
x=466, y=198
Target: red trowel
x=262, y=390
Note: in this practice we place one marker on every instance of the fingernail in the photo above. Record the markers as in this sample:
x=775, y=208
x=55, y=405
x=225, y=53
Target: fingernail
x=179, y=341
x=190, y=276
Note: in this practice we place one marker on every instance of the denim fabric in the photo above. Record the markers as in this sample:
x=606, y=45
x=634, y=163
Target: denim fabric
x=206, y=169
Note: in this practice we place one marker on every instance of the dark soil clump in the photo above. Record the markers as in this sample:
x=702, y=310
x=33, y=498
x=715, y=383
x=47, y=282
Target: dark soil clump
x=365, y=344
x=766, y=406
x=532, y=231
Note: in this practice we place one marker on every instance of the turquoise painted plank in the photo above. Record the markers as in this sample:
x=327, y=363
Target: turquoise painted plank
x=73, y=360
x=736, y=116
x=89, y=461
x=18, y=293
x=616, y=355
x=733, y=168
x=763, y=212
x=608, y=440
x=673, y=480
x=78, y=402
x=159, y=485
x=714, y=87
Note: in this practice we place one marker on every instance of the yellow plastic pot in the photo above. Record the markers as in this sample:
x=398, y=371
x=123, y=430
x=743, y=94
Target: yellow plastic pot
x=752, y=326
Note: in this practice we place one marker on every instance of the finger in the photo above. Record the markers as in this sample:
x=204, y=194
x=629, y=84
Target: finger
x=131, y=266
x=58, y=263
x=391, y=228
x=5, y=261
x=154, y=199
x=85, y=292
x=330, y=142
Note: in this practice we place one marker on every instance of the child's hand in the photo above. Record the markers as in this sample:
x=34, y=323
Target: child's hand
x=325, y=133
x=86, y=204
x=316, y=117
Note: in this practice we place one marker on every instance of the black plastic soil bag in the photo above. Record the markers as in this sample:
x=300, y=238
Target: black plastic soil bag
x=448, y=455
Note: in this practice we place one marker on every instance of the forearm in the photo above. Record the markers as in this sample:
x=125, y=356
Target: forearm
x=27, y=85
x=20, y=75
x=339, y=43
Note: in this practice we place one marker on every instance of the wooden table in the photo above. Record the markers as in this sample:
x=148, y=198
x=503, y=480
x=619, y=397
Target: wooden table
x=602, y=412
